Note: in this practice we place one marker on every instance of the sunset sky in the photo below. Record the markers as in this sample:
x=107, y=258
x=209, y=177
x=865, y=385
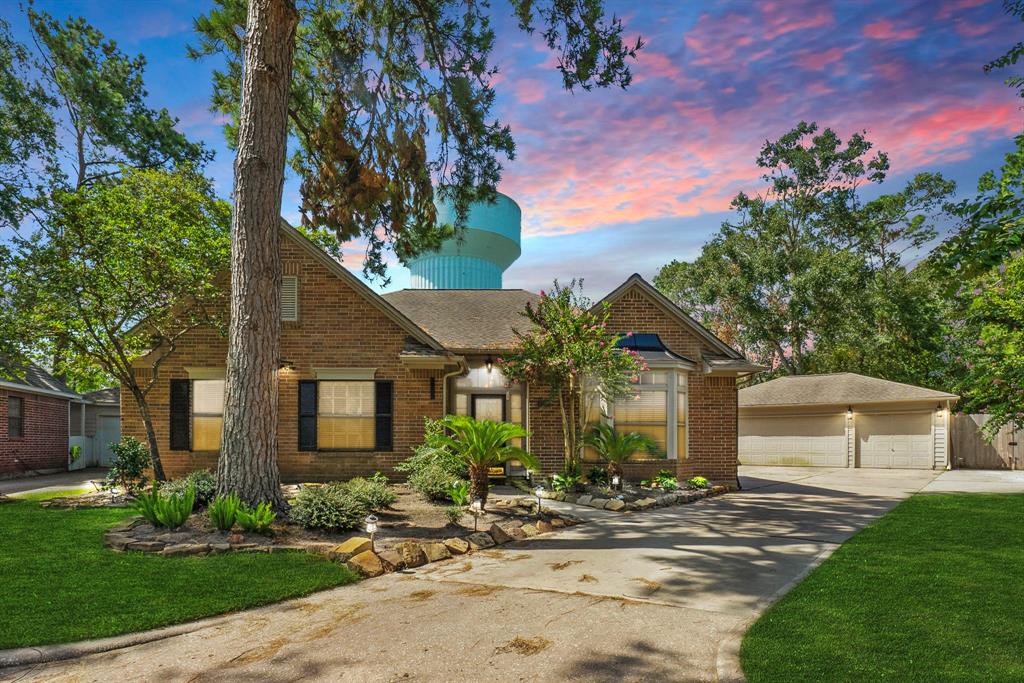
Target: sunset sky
x=615, y=182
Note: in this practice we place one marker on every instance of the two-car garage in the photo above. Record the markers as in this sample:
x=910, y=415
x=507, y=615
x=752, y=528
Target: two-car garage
x=843, y=420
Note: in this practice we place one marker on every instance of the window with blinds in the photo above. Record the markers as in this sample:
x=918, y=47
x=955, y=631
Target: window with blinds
x=345, y=415
x=289, y=298
x=646, y=413
x=207, y=414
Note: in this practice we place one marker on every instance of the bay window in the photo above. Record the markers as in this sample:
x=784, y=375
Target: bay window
x=658, y=410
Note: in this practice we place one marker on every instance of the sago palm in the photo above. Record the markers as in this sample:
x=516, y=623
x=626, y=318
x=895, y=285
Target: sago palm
x=482, y=444
x=616, y=448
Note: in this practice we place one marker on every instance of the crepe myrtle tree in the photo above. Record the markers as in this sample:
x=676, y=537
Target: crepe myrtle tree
x=385, y=102
x=569, y=351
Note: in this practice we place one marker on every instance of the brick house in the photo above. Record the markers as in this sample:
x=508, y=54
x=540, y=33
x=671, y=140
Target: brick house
x=360, y=371
x=34, y=422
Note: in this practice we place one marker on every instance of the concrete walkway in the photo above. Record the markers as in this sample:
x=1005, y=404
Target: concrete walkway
x=662, y=595
x=62, y=481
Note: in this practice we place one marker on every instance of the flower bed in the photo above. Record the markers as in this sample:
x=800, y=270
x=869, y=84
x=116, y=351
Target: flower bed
x=632, y=498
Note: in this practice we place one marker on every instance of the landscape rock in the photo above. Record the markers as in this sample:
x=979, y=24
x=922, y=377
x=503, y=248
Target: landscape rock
x=128, y=524
x=220, y=547
x=145, y=546
x=544, y=527
x=236, y=538
x=571, y=498
x=391, y=560
x=558, y=522
x=614, y=504
x=366, y=563
x=412, y=554
x=584, y=499
x=598, y=502
x=116, y=541
x=480, y=540
x=436, y=552
x=352, y=546
x=529, y=529
x=498, y=534
x=181, y=549
x=457, y=546
x=516, y=532
x=645, y=503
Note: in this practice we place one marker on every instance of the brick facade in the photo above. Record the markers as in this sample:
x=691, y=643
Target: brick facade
x=338, y=327
x=44, y=446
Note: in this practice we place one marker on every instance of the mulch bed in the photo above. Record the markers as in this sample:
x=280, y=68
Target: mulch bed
x=631, y=498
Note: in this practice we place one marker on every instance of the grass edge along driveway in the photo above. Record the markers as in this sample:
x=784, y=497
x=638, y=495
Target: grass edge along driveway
x=60, y=584
x=934, y=590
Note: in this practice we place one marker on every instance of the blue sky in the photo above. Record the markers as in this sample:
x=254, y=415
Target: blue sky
x=615, y=182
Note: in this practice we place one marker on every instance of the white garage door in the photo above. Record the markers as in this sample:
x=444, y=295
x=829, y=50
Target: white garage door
x=813, y=440
x=896, y=440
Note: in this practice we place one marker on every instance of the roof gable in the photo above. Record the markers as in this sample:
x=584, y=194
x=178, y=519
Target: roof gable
x=840, y=388
x=635, y=281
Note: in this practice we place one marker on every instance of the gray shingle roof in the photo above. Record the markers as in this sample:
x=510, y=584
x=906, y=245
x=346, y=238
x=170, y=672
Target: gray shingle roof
x=32, y=377
x=111, y=395
x=466, y=319
x=838, y=388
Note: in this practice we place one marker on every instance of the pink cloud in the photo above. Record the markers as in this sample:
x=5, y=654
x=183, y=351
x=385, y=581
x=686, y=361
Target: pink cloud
x=883, y=29
x=816, y=61
x=527, y=90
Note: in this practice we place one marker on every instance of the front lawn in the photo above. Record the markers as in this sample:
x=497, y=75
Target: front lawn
x=932, y=591
x=60, y=584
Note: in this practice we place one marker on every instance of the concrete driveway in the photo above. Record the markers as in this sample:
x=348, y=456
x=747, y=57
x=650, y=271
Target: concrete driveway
x=660, y=595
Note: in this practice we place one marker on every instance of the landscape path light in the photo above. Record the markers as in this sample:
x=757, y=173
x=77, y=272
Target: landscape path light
x=477, y=507
x=539, y=491
x=616, y=481
x=371, y=528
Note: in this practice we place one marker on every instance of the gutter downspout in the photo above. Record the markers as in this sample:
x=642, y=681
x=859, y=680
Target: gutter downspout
x=460, y=362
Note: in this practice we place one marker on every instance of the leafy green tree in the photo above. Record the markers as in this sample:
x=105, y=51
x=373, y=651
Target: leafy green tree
x=121, y=271
x=807, y=268
x=482, y=444
x=569, y=351
x=1015, y=8
x=387, y=101
x=615, y=448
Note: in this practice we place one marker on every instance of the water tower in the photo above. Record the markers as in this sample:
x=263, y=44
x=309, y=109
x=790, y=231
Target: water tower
x=489, y=245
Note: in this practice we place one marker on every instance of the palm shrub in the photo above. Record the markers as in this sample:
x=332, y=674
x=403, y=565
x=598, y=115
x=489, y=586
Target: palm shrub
x=615, y=448
x=433, y=467
x=222, y=511
x=481, y=444
x=256, y=519
x=145, y=504
x=173, y=510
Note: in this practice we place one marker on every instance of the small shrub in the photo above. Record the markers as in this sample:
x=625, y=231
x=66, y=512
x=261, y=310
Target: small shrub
x=666, y=480
x=75, y=453
x=374, y=493
x=329, y=507
x=567, y=480
x=454, y=513
x=128, y=471
x=173, y=510
x=432, y=468
x=222, y=511
x=697, y=483
x=203, y=481
x=256, y=519
x=145, y=504
x=598, y=475
x=459, y=493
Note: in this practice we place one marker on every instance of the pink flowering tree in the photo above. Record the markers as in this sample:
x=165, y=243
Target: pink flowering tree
x=570, y=351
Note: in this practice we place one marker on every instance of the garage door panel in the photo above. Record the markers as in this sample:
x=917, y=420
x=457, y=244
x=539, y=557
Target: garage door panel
x=896, y=440
x=815, y=440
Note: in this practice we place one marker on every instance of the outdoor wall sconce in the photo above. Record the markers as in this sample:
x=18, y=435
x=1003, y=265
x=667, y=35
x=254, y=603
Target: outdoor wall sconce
x=849, y=411
x=489, y=363
x=283, y=364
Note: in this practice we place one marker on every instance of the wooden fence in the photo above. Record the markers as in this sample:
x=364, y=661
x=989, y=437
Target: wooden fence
x=970, y=450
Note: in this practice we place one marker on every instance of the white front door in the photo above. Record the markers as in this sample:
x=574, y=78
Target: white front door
x=108, y=431
x=895, y=440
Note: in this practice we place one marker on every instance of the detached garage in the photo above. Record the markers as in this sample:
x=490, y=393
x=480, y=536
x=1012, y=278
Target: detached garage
x=843, y=420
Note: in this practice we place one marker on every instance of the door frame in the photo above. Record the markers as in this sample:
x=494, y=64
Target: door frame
x=504, y=404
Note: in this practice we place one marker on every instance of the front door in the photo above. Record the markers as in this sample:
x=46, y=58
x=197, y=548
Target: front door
x=489, y=407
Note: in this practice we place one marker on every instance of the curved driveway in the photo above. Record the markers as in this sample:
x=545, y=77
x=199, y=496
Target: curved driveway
x=642, y=596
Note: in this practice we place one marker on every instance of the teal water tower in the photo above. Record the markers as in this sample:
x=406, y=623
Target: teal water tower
x=489, y=245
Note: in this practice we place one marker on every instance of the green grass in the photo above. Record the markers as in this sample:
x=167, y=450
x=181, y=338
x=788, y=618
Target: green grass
x=46, y=495
x=59, y=584
x=933, y=591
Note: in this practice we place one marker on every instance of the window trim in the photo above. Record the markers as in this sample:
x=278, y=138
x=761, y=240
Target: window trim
x=20, y=418
x=676, y=383
x=372, y=449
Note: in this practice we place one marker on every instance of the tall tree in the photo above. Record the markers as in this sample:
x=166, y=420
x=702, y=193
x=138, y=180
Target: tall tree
x=120, y=270
x=807, y=269
x=1015, y=8
x=388, y=101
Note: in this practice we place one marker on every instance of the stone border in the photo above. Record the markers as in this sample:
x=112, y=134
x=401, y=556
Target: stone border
x=680, y=497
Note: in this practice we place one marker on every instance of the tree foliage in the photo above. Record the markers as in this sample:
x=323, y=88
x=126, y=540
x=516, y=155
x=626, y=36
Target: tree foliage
x=122, y=269
x=393, y=99
x=803, y=280
x=1015, y=8
x=482, y=444
x=569, y=351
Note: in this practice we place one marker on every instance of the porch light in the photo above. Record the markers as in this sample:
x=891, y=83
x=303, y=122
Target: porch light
x=849, y=411
x=489, y=363
x=371, y=527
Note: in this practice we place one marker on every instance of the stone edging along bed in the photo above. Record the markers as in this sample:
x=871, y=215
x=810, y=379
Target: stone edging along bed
x=135, y=534
x=653, y=500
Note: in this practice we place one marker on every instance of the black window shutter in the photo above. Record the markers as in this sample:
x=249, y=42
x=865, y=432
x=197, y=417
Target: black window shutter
x=307, y=415
x=181, y=413
x=384, y=394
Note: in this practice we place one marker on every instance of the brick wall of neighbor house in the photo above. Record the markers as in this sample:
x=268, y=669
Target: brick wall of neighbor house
x=336, y=328
x=45, y=444
x=712, y=402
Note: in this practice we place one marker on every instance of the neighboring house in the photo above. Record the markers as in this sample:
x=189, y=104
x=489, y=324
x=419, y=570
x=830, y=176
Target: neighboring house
x=360, y=371
x=844, y=420
x=95, y=426
x=34, y=419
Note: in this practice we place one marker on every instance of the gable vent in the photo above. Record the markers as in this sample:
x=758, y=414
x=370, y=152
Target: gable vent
x=289, y=298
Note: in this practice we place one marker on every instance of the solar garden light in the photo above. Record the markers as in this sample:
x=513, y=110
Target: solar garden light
x=371, y=528
x=539, y=491
x=616, y=481
x=477, y=507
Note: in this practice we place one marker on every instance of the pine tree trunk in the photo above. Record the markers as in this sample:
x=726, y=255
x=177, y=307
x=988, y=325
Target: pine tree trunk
x=248, y=455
